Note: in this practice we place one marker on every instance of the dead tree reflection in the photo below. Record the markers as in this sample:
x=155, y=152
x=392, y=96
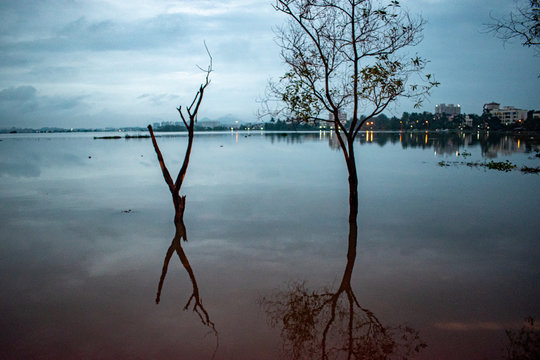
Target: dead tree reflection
x=179, y=202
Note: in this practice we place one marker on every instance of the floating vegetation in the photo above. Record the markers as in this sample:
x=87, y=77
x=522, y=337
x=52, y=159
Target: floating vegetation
x=465, y=154
x=114, y=137
x=530, y=170
x=107, y=137
x=137, y=136
x=505, y=166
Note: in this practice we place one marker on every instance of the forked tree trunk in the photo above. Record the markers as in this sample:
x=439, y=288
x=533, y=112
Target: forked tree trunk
x=179, y=203
x=181, y=233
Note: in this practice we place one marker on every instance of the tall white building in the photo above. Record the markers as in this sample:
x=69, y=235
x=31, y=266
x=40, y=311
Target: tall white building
x=449, y=110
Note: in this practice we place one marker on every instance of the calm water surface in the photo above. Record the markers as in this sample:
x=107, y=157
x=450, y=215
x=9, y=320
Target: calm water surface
x=452, y=251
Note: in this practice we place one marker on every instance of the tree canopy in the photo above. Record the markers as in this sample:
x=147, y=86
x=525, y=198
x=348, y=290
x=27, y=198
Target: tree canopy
x=346, y=56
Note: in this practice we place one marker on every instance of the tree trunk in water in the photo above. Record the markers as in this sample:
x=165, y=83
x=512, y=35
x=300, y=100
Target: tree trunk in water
x=353, y=218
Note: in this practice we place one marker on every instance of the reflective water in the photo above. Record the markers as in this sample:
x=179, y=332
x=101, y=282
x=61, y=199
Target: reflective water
x=451, y=251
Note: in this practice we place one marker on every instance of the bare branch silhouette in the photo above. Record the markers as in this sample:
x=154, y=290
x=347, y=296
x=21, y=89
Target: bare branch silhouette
x=189, y=118
x=523, y=23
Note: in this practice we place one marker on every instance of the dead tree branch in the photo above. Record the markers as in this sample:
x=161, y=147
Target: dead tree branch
x=179, y=203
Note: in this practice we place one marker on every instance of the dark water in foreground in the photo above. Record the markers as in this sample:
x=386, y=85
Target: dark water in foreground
x=451, y=251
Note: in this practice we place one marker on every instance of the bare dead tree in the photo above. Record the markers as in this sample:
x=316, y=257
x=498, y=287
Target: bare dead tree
x=523, y=23
x=189, y=118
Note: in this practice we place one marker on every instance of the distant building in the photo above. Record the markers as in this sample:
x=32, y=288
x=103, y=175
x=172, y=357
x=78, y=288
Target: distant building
x=449, y=110
x=156, y=125
x=210, y=124
x=491, y=106
x=342, y=116
x=508, y=114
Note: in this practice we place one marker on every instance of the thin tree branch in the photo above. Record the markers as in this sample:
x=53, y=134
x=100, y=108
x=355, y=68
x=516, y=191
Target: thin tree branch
x=164, y=169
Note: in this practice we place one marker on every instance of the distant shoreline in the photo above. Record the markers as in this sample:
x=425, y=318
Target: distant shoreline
x=141, y=133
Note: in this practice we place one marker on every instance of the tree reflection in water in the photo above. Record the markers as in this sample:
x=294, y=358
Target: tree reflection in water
x=333, y=325
x=176, y=246
x=181, y=233
x=180, y=205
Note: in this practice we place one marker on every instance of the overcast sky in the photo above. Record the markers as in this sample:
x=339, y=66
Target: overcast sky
x=75, y=63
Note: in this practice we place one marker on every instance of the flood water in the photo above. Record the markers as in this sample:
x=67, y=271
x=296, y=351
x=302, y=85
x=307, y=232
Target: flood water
x=451, y=251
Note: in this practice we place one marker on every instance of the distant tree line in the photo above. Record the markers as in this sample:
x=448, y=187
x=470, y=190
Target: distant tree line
x=429, y=121
x=419, y=121
x=275, y=125
x=408, y=121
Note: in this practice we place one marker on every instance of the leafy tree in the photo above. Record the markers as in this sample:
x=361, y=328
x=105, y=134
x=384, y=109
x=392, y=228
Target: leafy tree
x=395, y=124
x=532, y=123
x=347, y=56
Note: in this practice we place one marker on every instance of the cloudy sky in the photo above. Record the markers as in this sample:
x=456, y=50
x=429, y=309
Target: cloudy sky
x=76, y=63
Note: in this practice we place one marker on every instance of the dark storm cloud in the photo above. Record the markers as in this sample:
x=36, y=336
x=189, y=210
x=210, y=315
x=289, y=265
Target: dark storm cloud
x=162, y=31
x=21, y=98
x=84, y=34
x=12, y=60
x=26, y=97
x=109, y=53
x=16, y=103
x=18, y=94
